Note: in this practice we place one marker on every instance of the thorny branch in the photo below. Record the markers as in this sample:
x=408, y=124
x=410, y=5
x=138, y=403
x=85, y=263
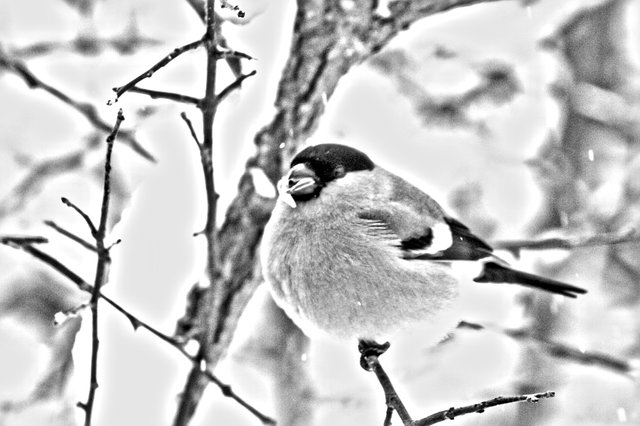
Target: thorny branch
x=195, y=385
x=217, y=292
x=102, y=267
x=103, y=261
x=25, y=243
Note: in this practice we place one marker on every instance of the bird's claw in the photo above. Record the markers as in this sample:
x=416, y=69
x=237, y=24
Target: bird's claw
x=369, y=348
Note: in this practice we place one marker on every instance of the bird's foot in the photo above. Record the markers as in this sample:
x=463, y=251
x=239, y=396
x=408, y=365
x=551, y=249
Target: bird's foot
x=369, y=348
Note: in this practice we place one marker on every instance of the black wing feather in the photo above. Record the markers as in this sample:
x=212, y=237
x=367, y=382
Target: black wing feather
x=464, y=245
x=421, y=242
x=494, y=273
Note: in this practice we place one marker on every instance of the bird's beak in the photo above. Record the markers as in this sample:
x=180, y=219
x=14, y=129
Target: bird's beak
x=300, y=180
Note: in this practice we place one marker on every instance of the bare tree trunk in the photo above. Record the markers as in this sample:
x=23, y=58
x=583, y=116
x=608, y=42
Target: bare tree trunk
x=328, y=39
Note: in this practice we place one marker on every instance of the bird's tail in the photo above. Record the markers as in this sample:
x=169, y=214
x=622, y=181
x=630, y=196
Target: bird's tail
x=495, y=273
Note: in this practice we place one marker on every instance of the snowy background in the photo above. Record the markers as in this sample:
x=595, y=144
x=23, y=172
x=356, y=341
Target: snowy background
x=479, y=159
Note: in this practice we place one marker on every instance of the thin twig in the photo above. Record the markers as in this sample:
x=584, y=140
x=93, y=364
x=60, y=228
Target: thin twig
x=603, y=239
x=370, y=360
x=451, y=413
x=84, y=216
x=48, y=260
x=84, y=243
x=20, y=240
x=194, y=386
x=161, y=63
x=24, y=243
x=233, y=86
x=159, y=94
x=208, y=105
x=102, y=271
x=186, y=119
x=88, y=111
x=201, y=151
x=233, y=61
x=106, y=194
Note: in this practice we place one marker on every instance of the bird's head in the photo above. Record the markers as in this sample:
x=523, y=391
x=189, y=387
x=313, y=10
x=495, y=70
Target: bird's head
x=315, y=167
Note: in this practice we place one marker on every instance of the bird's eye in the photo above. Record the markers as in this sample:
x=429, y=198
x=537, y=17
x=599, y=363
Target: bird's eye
x=339, y=172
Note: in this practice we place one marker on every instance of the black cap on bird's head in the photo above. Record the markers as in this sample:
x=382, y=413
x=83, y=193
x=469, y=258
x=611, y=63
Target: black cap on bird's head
x=315, y=166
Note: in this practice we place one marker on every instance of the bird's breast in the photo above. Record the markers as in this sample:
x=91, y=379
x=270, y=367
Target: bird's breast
x=330, y=278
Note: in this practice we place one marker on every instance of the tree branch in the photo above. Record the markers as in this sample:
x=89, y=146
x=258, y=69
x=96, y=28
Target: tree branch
x=160, y=64
x=451, y=413
x=84, y=243
x=24, y=243
x=370, y=361
x=159, y=94
x=102, y=270
x=370, y=353
x=21, y=240
x=87, y=219
x=189, y=124
x=233, y=86
x=88, y=111
x=195, y=385
x=630, y=235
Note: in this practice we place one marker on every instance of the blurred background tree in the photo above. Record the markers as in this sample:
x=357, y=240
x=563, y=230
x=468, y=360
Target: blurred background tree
x=521, y=117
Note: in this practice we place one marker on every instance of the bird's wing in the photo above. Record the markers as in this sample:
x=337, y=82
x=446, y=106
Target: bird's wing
x=445, y=239
x=418, y=229
x=372, y=223
x=465, y=245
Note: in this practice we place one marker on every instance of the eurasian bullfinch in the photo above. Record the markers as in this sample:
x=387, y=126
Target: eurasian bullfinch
x=354, y=251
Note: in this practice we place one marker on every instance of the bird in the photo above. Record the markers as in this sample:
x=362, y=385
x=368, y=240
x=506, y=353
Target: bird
x=353, y=251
